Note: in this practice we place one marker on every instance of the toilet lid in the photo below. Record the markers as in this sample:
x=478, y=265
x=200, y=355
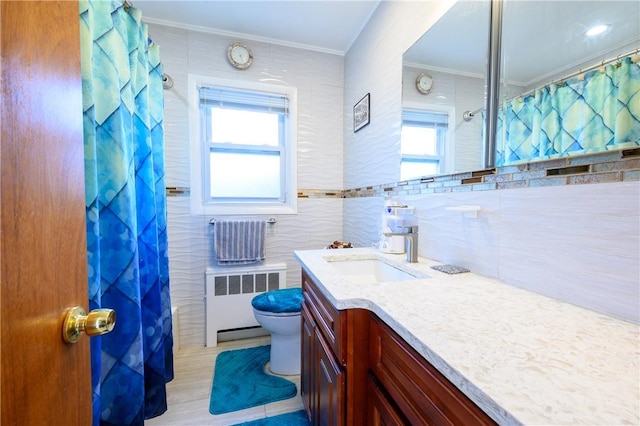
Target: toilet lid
x=279, y=301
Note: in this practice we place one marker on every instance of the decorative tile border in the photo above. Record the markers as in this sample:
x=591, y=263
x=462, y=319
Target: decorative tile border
x=320, y=193
x=615, y=166
x=178, y=191
x=607, y=167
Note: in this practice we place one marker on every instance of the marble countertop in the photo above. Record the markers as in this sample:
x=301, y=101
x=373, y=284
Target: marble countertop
x=523, y=358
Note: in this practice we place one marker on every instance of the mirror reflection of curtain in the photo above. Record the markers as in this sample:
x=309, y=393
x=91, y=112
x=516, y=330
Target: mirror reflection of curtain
x=126, y=213
x=596, y=112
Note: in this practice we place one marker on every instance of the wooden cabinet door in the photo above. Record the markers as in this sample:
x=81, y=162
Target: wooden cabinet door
x=308, y=363
x=331, y=386
x=380, y=410
x=418, y=389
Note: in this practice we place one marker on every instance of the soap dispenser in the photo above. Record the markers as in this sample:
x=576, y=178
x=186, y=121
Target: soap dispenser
x=396, y=216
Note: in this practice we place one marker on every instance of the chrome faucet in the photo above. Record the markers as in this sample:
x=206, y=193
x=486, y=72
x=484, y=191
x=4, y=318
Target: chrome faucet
x=410, y=242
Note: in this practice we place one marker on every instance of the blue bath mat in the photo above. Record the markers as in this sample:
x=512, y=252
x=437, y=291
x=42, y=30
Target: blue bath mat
x=298, y=418
x=240, y=382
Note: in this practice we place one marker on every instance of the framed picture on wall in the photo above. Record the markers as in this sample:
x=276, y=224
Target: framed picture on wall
x=361, y=113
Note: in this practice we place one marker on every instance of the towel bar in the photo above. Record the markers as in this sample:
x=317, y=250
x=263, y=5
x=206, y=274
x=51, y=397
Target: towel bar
x=270, y=221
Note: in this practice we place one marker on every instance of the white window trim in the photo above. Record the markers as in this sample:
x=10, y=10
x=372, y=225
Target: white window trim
x=198, y=204
x=449, y=145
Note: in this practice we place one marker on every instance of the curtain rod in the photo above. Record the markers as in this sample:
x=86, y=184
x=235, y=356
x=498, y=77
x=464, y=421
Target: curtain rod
x=468, y=115
x=167, y=81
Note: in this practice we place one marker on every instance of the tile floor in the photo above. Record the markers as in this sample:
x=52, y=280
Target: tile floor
x=188, y=392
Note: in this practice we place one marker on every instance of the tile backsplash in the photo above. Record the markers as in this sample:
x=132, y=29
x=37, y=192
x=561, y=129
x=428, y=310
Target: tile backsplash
x=567, y=228
x=577, y=243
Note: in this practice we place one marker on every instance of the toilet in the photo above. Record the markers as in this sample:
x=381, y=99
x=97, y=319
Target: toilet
x=278, y=312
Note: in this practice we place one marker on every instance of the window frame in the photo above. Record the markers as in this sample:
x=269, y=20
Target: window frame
x=200, y=150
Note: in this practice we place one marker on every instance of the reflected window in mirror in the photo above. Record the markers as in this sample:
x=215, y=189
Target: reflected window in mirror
x=423, y=142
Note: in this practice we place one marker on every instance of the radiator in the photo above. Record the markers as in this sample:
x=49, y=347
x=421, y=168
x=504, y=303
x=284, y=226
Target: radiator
x=228, y=294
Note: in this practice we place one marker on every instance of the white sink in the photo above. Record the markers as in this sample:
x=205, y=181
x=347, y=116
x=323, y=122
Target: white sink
x=372, y=270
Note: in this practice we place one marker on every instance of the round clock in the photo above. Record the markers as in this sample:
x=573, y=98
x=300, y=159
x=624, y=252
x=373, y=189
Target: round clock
x=240, y=56
x=424, y=83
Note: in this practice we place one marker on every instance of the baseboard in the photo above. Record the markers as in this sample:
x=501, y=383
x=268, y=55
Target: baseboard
x=241, y=333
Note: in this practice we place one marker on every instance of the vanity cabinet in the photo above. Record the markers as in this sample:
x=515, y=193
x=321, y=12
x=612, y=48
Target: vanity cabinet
x=334, y=359
x=407, y=390
x=322, y=381
x=355, y=370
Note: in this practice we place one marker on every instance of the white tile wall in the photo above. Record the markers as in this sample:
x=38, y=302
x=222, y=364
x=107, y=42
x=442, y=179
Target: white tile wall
x=577, y=243
x=317, y=224
x=374, y=65
x=363, y=220
x=319, y=79
x=188, y=258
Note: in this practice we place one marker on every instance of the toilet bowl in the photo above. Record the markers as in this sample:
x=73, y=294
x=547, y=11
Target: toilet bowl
x=278, y=312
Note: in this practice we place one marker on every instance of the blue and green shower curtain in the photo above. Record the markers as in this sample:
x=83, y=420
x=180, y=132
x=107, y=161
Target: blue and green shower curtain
x=597, y=111
x=126, y=213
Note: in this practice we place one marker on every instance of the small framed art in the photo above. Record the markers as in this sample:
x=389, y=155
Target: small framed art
x=361, y=113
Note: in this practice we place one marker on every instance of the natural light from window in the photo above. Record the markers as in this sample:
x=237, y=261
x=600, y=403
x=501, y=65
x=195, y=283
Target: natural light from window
x=418, y=140
x=244, y=175
x=243, y=147
x=423, y=138
x=247, y=173
x=243, y=127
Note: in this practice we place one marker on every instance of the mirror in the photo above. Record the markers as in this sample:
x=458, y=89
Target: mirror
x=454, y=52
x=541, y=41
x=569, y=92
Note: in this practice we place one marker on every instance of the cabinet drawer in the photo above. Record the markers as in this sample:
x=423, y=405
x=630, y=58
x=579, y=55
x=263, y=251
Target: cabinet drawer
x=423, y=394
x=328, y=319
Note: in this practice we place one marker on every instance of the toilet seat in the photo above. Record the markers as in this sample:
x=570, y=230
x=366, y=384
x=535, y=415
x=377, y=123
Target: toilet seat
x=276, y=314
x=284, y=302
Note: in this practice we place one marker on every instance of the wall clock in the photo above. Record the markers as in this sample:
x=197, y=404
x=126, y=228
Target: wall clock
x=424, y=83
x=239, y=55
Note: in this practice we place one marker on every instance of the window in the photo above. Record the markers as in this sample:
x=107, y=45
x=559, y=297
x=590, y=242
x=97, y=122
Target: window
x=423, y=140
x=243, y=147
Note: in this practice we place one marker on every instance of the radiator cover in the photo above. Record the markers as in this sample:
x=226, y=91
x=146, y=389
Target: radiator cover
x=228, y=295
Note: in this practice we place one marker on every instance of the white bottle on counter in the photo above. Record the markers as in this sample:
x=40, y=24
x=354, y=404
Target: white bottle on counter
x=395, y=219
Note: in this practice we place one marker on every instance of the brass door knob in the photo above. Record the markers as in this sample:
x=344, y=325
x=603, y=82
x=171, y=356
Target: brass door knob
x=77, y=321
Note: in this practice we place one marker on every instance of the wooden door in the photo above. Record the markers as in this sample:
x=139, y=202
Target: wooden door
x=43, y=256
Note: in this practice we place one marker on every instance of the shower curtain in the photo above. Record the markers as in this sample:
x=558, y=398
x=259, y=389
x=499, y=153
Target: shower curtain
x=598, y=111
x=126, y=213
